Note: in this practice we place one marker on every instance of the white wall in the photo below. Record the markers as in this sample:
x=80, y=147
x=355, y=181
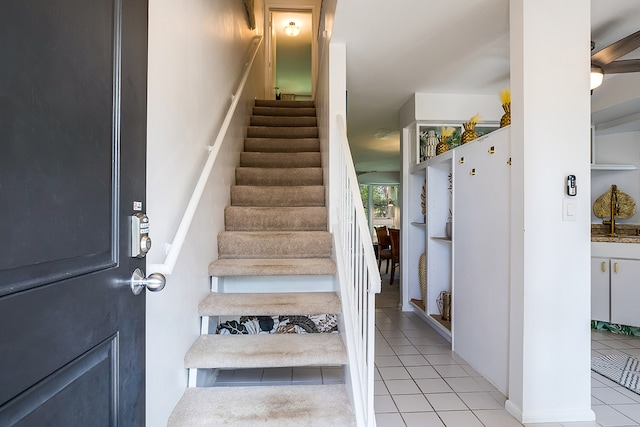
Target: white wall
x=619, y=148
x=450, y=108
x=196, y=52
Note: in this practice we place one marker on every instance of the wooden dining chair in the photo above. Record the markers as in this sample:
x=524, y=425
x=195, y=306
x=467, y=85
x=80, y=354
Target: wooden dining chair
x=384, y=245
x=394, y=237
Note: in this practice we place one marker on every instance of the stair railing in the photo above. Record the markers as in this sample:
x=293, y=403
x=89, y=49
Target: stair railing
x=359, y=279
x=175, y=247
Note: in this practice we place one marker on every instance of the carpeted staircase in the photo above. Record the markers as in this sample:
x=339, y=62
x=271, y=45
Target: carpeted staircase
x=276, y=226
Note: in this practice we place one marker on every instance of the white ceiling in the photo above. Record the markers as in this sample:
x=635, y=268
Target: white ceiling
x=302, y=20
x=397, y=48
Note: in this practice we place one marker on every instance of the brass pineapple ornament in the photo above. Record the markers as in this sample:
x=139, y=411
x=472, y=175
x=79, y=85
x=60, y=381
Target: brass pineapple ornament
x=506, y=117
x=505, y=97
x=443, y=145
x=470, y=133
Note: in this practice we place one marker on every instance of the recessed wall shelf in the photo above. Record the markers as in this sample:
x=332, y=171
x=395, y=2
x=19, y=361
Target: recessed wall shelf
x=610, y=167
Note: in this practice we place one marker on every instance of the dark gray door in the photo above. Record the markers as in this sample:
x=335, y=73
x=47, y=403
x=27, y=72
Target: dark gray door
x=72, y=164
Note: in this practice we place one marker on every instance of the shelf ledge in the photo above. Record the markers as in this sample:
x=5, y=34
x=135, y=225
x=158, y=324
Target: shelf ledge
x=444, y=239
x=420, y=224
x=428, y=318
x=610, y=167
x=418, y=167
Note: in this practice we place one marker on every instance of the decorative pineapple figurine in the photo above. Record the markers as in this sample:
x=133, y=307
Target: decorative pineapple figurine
x=470, y=133
x=443, y=146
x=505, y=97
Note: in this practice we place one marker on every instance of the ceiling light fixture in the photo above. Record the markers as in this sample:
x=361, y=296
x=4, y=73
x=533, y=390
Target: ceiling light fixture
x=292, y=29
x=597, y=75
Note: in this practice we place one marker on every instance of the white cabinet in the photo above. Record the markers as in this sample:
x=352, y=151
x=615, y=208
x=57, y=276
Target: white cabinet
x=600, y=289
x=625, y=291
x=470, y=187
x=615, y=290
x=481, y=242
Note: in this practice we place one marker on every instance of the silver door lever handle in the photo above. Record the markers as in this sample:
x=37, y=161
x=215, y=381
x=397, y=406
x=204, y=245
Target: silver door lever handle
x=155, y=282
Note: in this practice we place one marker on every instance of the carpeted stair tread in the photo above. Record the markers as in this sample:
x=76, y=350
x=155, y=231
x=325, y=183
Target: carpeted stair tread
x=269, y=304
x=233, y=267
x=281, y=145
x=266, y=351
x=262, y=195
x=279, y=176
x=289, y=121
x=284, y=111
x=280, y=160
x=249, y=218
x=286, y=104
x=274, y=244
x=264, y=406
x=282, y=132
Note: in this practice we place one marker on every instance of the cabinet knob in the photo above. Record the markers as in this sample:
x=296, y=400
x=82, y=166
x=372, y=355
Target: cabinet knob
x=604, y=267
x=615, y=267
x=509, y=161
x=492, y=149
x=473, y=171
x=461, y=160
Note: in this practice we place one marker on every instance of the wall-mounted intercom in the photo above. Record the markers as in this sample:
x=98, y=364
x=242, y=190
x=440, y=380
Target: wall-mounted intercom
x=140, y=240
x=572, y=189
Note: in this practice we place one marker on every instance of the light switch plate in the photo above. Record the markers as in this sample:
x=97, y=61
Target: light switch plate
x=569, y=210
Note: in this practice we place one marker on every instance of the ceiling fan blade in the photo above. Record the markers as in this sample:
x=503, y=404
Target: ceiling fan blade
x=624, y=66
x=617, y=49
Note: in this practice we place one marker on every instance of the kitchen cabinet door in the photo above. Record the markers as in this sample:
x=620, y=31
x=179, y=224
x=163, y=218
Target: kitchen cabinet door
x=625, y=292
x=600, y=289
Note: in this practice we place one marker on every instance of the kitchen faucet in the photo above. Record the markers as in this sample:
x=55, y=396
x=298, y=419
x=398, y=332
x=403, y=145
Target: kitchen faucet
x=615, y=210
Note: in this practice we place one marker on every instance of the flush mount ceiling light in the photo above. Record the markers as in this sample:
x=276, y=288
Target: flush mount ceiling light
x=292, y=29
x=596, y=76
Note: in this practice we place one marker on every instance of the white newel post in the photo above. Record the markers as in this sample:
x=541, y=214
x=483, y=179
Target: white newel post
x=549, y=360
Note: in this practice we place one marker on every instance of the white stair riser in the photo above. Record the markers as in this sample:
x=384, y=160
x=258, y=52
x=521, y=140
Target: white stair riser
x=260, y=284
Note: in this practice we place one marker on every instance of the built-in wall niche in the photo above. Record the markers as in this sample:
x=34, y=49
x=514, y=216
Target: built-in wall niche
x=454, y=140
x=617, y=159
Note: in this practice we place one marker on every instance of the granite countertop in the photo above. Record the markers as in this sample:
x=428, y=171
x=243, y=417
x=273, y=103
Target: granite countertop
x=625, y=233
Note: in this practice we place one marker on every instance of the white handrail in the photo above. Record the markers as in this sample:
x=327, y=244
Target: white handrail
x=361, y=220
x=359, y=280
x=175, y=247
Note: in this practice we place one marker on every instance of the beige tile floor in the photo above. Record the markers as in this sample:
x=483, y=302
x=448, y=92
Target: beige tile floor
x=420, y=382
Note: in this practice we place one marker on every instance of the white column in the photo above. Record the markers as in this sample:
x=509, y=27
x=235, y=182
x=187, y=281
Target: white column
x=549, y=360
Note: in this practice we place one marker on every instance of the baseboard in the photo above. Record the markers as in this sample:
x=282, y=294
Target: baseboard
x=513, y=410
x=532, y=417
